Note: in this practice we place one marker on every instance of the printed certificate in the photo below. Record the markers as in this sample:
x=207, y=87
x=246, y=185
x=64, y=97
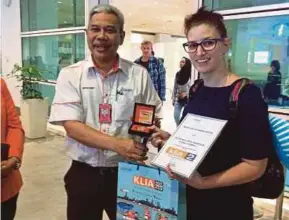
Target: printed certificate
x=189, y=145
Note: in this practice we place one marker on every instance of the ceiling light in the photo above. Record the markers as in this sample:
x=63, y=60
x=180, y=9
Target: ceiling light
x=280, y=31
x=136, y=38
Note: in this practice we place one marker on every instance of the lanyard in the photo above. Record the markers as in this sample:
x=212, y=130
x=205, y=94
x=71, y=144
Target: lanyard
x=106, y=95
x=108, y=92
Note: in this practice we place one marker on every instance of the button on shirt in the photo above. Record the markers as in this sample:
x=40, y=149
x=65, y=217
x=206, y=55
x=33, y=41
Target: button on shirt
x=81, y=88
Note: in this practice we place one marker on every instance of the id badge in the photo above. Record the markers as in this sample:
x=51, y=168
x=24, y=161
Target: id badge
x=105, y=113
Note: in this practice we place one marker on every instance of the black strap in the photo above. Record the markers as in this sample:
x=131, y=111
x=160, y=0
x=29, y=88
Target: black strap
x=195, y=87
x=234, y=97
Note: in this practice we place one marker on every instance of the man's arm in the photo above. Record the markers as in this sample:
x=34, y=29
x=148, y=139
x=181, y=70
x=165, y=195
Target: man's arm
x=162, y=81
x=67, y=110
x=93, y=138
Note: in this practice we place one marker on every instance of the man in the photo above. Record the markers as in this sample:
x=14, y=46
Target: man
x=155, y=68
x=94, y=101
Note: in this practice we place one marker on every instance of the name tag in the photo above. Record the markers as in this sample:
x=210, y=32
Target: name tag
x=105, y=113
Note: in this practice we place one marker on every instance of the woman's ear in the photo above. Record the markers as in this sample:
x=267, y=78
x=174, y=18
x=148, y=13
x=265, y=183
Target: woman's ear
x=227, y=41
x=227, y=44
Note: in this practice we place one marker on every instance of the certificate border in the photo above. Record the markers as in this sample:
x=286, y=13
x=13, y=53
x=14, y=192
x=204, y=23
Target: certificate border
x=153, y=162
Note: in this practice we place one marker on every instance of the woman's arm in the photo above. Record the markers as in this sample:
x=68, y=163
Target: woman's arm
x=15, y=132
x=255, y=141
x=244, y=172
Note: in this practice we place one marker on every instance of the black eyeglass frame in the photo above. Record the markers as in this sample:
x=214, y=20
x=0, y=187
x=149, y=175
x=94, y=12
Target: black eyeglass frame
x=200, y=44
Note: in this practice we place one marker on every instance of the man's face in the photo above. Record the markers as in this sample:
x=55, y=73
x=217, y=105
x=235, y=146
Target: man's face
x=104, y=36
x=146, y=50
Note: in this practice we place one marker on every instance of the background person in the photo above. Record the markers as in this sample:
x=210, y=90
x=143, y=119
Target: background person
x=181, y=88
x=155, y=68
x=12, y=134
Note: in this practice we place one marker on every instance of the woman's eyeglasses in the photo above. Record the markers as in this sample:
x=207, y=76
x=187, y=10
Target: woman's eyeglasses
x=207, y=45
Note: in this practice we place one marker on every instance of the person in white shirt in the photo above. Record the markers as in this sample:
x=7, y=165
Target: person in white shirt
x=94, y=101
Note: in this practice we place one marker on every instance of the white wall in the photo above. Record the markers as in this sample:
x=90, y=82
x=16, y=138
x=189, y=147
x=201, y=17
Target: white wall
x=11, y=44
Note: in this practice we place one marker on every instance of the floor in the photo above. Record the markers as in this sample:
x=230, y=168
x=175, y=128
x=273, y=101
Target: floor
x=44, y=165
x=43, y=196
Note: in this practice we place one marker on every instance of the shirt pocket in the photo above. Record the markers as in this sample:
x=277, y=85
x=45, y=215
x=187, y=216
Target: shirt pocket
x=123, y=107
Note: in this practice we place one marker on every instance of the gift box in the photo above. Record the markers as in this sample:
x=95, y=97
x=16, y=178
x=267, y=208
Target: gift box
x=143, y=119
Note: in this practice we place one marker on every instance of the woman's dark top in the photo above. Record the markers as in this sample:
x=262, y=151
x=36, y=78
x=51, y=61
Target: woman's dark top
x=245, y=136
x=272, y=88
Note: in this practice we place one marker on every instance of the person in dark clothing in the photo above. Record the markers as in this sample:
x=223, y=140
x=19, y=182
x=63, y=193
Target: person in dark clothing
x=272, y=90
x=181, y=88
x=218, y=189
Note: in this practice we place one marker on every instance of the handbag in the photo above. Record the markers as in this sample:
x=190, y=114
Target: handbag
x=271, y=184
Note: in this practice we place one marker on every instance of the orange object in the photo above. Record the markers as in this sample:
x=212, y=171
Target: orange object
x=11, y=133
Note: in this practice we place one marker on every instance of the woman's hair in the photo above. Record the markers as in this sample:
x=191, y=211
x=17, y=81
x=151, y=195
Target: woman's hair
x=276, y=64
x=185, y=73
x=204, y=16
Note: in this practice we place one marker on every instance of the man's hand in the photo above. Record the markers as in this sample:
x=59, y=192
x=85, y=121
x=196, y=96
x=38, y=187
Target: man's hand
x=131, y=150
x=157, y=122
x=159, y=137
x=7, y=166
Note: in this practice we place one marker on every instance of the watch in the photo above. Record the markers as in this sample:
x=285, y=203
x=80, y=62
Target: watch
x=17, y=161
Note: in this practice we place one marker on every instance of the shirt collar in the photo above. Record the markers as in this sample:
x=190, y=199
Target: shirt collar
x=117, y=66
x=151, y=59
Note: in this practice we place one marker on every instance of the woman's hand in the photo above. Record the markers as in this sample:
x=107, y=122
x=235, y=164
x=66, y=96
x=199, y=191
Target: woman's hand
x=7, y=166
x=159, y=137
x=182, y=95
x=196, y=181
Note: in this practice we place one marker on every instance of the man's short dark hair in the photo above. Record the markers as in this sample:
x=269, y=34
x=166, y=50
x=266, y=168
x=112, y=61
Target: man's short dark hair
x=204, y=16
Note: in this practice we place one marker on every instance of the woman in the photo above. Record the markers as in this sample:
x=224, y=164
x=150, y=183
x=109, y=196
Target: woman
x=272, y=90
x=181, y=88
x=239, y=156
x=13, y=135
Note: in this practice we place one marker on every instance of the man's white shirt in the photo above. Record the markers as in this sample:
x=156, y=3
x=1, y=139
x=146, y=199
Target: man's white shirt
x=79, y=91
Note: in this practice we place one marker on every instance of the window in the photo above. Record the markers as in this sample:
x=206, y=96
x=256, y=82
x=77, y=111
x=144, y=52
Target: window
x=225, y=4
x=253, y=49
x=47, y=91
x=51, y=14
x=53, y=52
